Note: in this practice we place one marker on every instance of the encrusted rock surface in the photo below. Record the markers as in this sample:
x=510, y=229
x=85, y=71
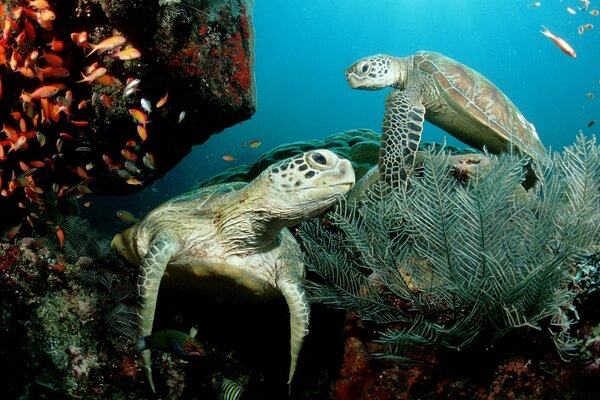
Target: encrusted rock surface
x=82, y=139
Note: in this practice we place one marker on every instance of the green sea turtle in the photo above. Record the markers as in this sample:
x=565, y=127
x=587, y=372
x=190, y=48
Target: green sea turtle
x=232, y=238
x=430, y=86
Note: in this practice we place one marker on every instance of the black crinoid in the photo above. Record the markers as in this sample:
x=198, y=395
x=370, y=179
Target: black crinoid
x=81, y=240
x=452, y=264
x=189, y=10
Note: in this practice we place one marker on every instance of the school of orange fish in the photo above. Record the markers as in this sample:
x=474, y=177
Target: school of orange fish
x=26, y=50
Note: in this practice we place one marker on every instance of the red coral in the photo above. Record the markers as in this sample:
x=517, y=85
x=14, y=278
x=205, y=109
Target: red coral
x=9, y=258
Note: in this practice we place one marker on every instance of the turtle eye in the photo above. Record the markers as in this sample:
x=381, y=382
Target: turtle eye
x=364, y=68
x=319, y=158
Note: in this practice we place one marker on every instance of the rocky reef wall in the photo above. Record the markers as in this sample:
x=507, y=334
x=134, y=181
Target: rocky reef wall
x=106, y=96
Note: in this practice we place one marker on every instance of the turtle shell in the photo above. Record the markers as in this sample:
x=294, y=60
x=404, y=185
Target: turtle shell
x=473, y=109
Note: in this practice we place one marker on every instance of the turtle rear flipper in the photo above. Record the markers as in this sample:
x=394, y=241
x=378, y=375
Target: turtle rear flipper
x=400, y=135
x=152, y=269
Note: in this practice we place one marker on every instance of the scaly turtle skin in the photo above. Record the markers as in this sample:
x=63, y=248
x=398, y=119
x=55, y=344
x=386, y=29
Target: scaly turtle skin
x=430, y=86
x=233, y=237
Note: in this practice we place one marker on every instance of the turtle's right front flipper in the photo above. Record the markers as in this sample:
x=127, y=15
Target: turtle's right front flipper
x=400, y=135
x=152, y=268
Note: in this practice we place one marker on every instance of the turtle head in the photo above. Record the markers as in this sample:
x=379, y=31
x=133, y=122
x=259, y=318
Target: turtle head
x=377, y=72
x=303, y=186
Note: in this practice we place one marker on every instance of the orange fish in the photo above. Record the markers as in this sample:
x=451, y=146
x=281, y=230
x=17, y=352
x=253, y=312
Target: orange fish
x=559, y=42
x=46, y=15
x=162, y=100
x=128, y=54
x=140, y=116
x=255, y=143
x=228, y=157
x=56, y=45
x=60, y=235
x=106, y=101
x=107, y=44
x=79, y=123
x=52, y=72
x=39, y=4
x=81, y=172
x=97, y=73
x=53, y=59
x=134, y=181
x=29, y=29
x=107, y=80
x=143, y=134
x=43, y=92
x=80, y=38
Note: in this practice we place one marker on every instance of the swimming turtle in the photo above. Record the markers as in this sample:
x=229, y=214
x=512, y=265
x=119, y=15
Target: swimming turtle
x=430, y=86
x=232, y=238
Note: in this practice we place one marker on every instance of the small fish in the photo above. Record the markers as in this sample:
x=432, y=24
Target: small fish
x=181, y=117
x=142, y=133
x=80, y=38
x=52, y=72
x=590, y=95
x=178, y=343
x=228, y=157
x=134, y=181
x=126, y=216
x=123, y=173
x=128, y=54
x=87, y=203
x=83, y=149
x=107, y=44
x=254, y=144
x=571, y=11
x=84, y=189
x=588, y=27
x=591, y=123
x=148, y=161
x=42, y=92
x=131, y=87
x=594, y=13
x=162, y=100
x=55, y=45
x=580, y=29
x=228, y=389
x=41, y=138
x=131, y=167
x=12, y=232
x=534, y=4
x=146, y=106
x=559, y=42
x=60, y=235
x=97, y=73
x=139, y=116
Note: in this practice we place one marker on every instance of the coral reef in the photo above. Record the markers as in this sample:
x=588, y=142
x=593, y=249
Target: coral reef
x=360, y=146
x=458, y=265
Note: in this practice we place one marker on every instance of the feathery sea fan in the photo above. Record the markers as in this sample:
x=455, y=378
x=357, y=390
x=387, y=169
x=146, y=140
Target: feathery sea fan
x=456, y=264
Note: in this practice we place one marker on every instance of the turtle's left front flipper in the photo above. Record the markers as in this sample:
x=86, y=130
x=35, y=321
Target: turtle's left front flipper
x=400, y=135
x=297, y=301
x=152, y=269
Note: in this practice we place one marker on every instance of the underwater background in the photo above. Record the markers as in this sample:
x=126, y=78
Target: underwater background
x=302, y=49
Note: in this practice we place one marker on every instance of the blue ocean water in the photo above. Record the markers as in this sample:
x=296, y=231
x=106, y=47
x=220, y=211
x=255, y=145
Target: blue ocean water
x=303, y=47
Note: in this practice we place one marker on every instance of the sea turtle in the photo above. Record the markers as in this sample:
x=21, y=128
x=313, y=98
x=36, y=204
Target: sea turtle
x=233, y=237
x=430, y=86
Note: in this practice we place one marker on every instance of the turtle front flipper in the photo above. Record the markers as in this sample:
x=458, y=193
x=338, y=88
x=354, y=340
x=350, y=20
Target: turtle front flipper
x=295, y=296
x=152, y=268
x=400, y=135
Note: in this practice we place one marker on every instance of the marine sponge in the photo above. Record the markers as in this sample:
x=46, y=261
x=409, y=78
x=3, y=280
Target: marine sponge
x=455, y=264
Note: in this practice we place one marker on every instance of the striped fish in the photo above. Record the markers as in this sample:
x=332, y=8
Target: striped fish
x=229, y=389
